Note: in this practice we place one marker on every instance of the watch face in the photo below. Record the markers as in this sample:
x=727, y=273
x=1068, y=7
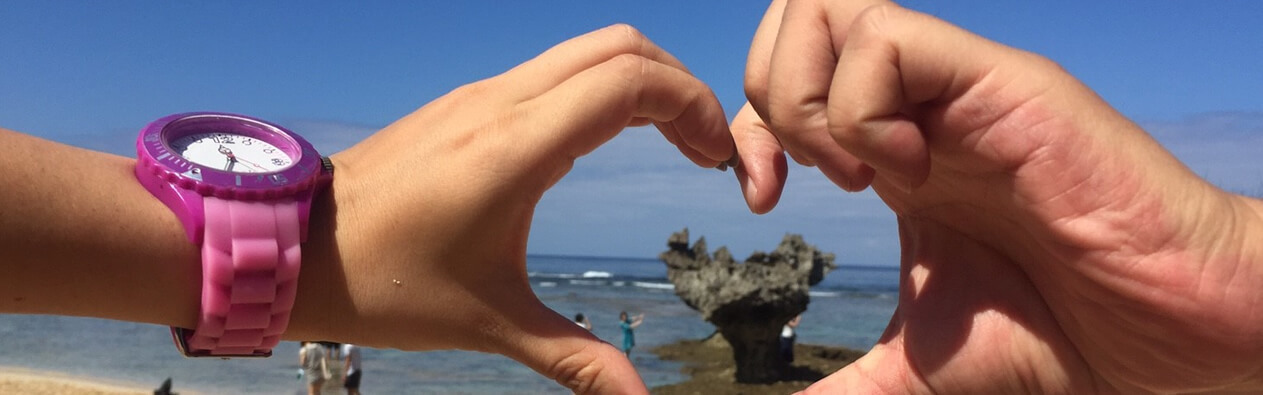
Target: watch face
x=231, y=152
x=227, y=155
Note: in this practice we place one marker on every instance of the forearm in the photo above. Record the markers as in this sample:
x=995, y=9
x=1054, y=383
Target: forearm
x=81, y=237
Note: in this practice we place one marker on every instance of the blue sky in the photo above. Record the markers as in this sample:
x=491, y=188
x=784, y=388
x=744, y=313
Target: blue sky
x=92, y=73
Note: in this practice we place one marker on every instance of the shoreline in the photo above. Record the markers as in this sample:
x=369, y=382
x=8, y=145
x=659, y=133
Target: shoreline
x=19, y=380
x=709, y=366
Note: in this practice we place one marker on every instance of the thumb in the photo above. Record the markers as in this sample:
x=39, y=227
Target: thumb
x=761, y=169
x=555, y=347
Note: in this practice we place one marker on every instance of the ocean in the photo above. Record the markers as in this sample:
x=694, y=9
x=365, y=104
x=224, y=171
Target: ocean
x=850, y=308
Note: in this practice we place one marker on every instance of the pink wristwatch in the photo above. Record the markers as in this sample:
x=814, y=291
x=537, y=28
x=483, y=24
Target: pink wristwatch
x=243, y=188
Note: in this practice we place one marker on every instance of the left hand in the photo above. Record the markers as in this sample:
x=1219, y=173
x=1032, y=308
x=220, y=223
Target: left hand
x=426, y=226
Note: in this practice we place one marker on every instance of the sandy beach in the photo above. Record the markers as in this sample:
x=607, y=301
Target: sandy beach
x=25, y=381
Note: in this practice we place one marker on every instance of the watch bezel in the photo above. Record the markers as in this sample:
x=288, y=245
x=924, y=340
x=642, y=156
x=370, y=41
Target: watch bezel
x=155, y=151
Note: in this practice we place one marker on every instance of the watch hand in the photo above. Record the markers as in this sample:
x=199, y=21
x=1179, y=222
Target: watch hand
x=231, y=158
x=253, y=164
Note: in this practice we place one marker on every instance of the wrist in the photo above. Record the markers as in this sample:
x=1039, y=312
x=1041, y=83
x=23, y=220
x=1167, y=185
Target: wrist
x=323, y=303
x=242, y=188
x=1245, y=288
x=165, y=263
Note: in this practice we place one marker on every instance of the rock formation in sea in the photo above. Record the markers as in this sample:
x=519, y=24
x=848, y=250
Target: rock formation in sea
x=748, y=302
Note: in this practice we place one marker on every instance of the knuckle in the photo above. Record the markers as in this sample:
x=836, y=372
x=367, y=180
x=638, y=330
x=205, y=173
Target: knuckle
x=627, y=65
x=626, y=37
x=789, y=120
x=630, y=33
x=473, y=89
x=800, y=159
x=460, y=97
x=579, y=372
x=877, y=19
x=794, y=128
x=756, y=87
x=843, y=124
x=1040, y=62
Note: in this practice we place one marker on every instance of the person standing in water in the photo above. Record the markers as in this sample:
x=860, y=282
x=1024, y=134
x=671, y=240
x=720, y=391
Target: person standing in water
x=628, y=324
x=581, y=320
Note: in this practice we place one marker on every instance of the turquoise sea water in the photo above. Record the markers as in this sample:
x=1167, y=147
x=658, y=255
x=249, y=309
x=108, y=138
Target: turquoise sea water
x=850, y=308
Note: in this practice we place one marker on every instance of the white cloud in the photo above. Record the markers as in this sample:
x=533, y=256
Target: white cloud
x=1226, y=148
x=330, y=137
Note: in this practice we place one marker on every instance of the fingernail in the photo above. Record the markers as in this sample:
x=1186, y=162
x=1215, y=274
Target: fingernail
x=731, y=162
x=751, y=191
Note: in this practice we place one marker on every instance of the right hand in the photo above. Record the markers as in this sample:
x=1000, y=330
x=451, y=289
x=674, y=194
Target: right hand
x=1048, y=243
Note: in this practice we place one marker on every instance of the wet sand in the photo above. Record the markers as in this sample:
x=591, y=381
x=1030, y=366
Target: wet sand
x=24, y=381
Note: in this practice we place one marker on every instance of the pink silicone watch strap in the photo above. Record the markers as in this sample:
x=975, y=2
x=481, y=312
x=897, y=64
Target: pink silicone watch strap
x=250, y=263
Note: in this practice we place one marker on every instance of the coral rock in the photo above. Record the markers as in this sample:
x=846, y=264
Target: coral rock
x=748, y=302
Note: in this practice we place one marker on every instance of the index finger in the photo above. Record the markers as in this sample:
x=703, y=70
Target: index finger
x=575, y=55
x=801, y=71
x=594, y=105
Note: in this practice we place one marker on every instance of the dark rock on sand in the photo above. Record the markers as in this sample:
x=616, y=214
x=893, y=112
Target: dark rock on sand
x=709, y=364
x=747, y=301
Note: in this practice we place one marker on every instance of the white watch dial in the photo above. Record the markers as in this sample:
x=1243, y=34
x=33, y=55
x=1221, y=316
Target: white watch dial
x=231, y=152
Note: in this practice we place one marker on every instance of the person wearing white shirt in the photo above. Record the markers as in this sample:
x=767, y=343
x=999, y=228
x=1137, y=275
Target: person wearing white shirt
x=351, y=353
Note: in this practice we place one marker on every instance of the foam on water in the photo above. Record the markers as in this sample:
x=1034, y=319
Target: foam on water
x=850, y=308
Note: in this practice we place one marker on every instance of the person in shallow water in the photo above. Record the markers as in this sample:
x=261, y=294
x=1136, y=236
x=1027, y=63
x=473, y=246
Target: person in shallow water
x=628, y=325
x=582, y=321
